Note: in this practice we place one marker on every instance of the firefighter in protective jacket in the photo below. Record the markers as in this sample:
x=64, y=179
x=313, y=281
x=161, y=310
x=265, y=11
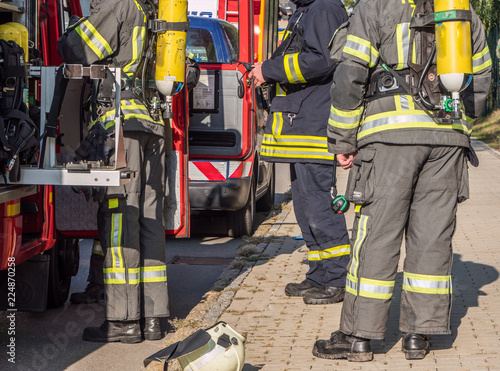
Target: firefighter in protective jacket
x=130, y=217
x=301, y=73
x=408, y=173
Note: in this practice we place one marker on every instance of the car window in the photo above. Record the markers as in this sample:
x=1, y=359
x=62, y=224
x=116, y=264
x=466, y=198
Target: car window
x=231, y=33
x=201, y=43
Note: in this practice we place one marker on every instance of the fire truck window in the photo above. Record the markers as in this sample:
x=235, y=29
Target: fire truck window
x=201, y=44
x=231, y=33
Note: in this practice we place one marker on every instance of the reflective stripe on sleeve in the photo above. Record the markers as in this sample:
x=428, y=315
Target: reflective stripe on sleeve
x=344, y=119
x=427, y=284
x=292, y=69
x=94, y=40
x=481, y=60
x=361, y=49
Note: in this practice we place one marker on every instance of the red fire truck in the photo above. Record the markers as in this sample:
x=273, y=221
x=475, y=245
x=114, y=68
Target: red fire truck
x=42, y=219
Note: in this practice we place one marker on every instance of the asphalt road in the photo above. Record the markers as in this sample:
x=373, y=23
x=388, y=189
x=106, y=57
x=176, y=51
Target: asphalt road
x=52, y=340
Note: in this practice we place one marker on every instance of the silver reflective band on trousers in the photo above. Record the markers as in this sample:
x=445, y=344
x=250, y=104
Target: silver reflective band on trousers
x=411, y=191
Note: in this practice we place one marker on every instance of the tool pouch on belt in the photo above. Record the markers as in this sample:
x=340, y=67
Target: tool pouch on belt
x=360, y=184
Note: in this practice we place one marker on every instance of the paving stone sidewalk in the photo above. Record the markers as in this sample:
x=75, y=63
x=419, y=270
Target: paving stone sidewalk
x=281, y=330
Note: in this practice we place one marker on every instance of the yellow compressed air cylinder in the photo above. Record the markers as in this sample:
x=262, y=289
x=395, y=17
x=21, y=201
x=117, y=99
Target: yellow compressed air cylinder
x=171, y=47
x=24, y=37
x=453, y=45
x=13, y=31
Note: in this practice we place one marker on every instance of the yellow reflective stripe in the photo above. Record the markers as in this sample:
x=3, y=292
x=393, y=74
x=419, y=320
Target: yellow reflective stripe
x=375, y=289
x=296, y=67
x=116, y=240
x=403, y=120
x=279, y=91
x=138, y=37
x=427, y=284
x=277, y=123
x=481, y=67
x=272, y=140
x=133, y=276
x=286, y=64
x=14, y=209
x=140, y=8
x=285, y=152
x=89, y=43
x=292, y=68
x=402, y=44
x=297, y=137
x=332, y=252
x=114, y=275
x=345, y=119
x=399, y=47
x=351, y=284
x=360, y=237
x=397, y=102
x=113, y=203
x=154, y=273
x=361, y=49
x=97, y=248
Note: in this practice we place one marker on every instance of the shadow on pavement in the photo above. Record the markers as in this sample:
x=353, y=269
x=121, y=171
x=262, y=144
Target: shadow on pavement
x=468, y=278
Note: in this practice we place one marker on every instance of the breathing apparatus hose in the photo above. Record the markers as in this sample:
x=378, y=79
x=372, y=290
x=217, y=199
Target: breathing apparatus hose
x=146, y=57
x=426, y=103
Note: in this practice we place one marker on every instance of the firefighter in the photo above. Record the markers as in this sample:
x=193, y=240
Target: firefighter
x=408, y=172
x=300, y=72
x=130, y=217
x=94, y=292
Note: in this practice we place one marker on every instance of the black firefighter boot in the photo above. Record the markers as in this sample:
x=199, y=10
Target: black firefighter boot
x=298, y=289
x=342, y=346
x=152, y=328
x=415, y=346
x=111, y=331
x=94, y=293
x=324, y=295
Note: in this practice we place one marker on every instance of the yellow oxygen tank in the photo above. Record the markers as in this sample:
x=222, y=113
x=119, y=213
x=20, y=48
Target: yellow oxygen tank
x=10, y=32
x=453, y=46
x=171, y=47
x=24, y=38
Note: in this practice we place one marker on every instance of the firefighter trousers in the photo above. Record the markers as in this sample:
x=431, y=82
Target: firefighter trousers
x=411, y=191
x=132, y=234
x=324, y=232
x=96, y=264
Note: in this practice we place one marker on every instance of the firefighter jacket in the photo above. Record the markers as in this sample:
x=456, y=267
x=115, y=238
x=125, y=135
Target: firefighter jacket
x=301, y=72
x=114, y=33
x=379, y=33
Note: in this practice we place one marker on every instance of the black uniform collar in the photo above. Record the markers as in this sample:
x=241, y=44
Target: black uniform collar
x=300, y=3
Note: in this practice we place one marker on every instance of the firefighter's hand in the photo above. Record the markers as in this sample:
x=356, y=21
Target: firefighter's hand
x=346, y=160
x=256, y=74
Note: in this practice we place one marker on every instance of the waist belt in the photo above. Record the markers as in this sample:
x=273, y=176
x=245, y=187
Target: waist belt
x=383, y=83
